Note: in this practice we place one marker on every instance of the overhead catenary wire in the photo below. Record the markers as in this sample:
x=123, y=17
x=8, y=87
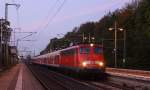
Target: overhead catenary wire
x=50, y=10
x=55, y=14
x=52, y=17
x=46, y=18
x=48, y=15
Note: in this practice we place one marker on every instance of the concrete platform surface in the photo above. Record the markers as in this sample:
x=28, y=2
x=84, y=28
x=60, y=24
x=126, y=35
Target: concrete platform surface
x=19, y=77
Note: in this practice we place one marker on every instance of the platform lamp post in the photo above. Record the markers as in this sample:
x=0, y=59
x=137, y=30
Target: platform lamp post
x=124, y=46
x=115, y=41
x=125, y=50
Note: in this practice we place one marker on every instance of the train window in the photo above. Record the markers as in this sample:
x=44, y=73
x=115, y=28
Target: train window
x=84, y=50
x=68, y=52
x=97, y=50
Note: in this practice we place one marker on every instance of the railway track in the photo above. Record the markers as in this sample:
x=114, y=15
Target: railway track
x=132, y=83
x=56, y=81
x=106, y=85
x=119, y=83
x=44, y=80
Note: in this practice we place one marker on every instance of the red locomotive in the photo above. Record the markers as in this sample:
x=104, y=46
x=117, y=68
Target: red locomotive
x=79, y=58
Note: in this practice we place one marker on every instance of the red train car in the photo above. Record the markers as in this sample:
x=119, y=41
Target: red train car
x=79, y=58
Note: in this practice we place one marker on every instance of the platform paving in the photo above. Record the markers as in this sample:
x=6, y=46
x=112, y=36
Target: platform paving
x=29, y=81
x=7, y=78
x=19, y=77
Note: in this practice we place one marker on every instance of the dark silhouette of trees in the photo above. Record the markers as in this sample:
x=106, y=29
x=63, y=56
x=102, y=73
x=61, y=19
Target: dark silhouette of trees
x=134, y=18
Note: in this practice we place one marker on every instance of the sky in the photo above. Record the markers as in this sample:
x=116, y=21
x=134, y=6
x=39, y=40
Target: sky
x=52, y=17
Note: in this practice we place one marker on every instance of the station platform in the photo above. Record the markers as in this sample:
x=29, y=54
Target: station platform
x=19, y=77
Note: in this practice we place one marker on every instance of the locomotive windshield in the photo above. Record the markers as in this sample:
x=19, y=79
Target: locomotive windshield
x=84, y=50
x=98, y=50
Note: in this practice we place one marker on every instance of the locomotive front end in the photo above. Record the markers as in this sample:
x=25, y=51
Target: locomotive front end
x=91, y=58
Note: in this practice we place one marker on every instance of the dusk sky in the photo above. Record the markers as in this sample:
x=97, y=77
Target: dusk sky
x=47, y=18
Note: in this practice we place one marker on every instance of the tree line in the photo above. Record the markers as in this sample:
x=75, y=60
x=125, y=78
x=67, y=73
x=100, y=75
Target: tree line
x=134, y=18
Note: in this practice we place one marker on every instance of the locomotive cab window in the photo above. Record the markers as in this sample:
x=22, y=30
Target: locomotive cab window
x=97, y=50
x=84, y=50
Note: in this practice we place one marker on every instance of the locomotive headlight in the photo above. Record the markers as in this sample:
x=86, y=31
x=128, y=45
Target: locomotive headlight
x=84, y=64
x=91, y=44
x=101, y=64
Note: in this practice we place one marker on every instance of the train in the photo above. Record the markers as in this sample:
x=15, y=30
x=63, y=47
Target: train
x=83, y=58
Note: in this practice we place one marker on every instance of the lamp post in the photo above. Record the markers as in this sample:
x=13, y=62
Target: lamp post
x=124, y=48
x=115, y=42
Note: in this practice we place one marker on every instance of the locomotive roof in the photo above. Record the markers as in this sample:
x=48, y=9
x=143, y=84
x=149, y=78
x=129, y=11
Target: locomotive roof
x=77, y=46
x=58, y=51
